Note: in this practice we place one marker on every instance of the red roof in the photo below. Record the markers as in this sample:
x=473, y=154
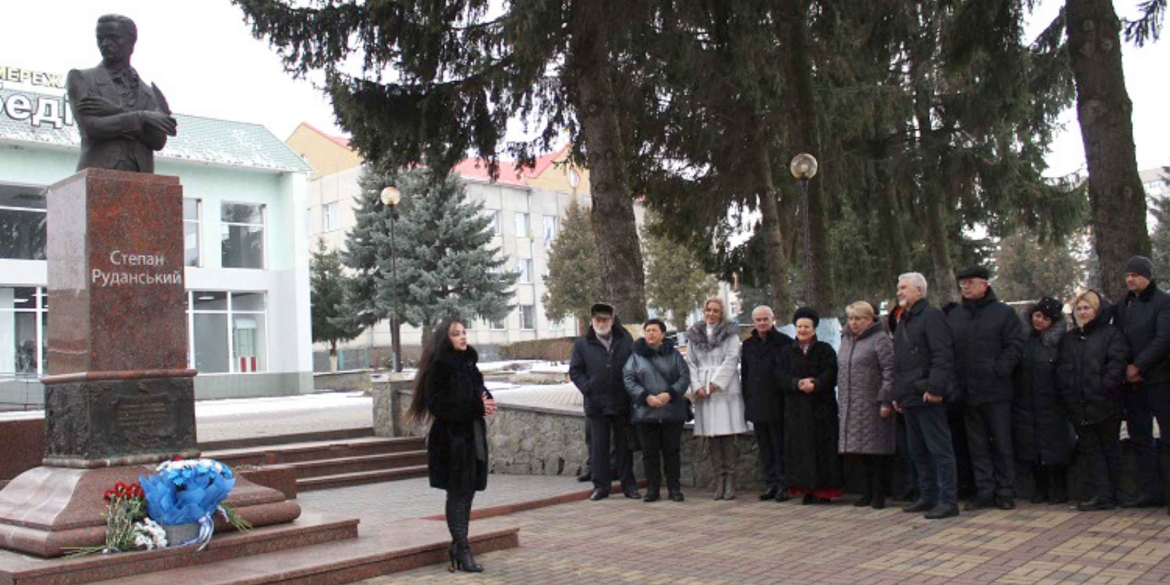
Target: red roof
x=340, y=140
x=474, y=168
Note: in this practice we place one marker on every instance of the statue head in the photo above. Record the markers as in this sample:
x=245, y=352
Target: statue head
x=116, y=36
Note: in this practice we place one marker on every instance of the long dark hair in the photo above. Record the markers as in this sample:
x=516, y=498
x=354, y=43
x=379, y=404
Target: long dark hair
x=439, y=343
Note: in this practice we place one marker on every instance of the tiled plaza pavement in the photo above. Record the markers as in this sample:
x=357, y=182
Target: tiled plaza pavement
x=414, y=498
x=747, y=541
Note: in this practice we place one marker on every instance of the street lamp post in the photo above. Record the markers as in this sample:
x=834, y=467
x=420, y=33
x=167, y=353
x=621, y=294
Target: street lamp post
x=804, y=167
x=390, y=198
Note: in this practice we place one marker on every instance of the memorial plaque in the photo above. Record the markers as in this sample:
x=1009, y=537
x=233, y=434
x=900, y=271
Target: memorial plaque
x=97, y=423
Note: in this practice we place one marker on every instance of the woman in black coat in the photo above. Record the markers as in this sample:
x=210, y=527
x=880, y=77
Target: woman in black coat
x=809, y=368
x=1090, y=372
x=448, y=388
x=1041, y=433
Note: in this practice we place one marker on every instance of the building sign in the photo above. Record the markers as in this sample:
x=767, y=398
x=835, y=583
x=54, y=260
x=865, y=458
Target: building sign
x=38, y=109
x=29, y=77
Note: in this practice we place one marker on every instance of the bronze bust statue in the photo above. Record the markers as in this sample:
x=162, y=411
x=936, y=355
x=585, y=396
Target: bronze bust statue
x=121, y=121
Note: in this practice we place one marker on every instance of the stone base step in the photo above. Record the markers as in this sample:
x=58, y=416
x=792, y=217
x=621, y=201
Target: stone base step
x=343, y=465
x=388, y=548
x=360, y=478
x=313, y=451
x=272, y=440
x=310, y=530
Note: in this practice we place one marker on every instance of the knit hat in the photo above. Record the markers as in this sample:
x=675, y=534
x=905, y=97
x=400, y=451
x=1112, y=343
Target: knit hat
x=601, y=310
x=806, y=313
x=974, y=272
x=1140, y=265
x=1051, y=308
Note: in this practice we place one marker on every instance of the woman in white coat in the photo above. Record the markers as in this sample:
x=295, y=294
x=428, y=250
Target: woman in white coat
x=713, y=358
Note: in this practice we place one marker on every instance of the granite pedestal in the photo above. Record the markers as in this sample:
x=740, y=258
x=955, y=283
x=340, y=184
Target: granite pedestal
x=119, y=396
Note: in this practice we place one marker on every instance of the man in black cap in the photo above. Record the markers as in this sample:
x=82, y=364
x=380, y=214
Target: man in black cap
x=1144, y=317
x=989, y=342
x=596, y=370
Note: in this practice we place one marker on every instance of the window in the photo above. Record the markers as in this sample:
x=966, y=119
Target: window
x=498, y=325
x=331, y=217
x=497, y=224
x=550, y=229
x=242, y=235
x=191, y=209
x=22, y=332
x=527, y=317
x=217, y=349
x=23, y=217
x=521, y=225
x=524, y=265
x=558, y=325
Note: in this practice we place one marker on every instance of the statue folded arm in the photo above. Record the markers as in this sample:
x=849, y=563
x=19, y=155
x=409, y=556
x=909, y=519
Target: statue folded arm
x=101, y=119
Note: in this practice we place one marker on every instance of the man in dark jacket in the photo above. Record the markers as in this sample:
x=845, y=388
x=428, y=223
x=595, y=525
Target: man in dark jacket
x=596, y=370
x=760, y=373
x=923, y=362
x=989, y=342
x=1144, y=317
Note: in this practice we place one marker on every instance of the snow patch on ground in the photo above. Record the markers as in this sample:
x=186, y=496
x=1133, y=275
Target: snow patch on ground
x=275, y=404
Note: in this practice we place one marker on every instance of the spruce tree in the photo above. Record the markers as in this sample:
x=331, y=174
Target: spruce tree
x=365, y=250
x=327, y=285
x=1160, y=238
x=440, y=79
x=574, y=270
x=1026, y=268
x=676, y=282
x=445, y=264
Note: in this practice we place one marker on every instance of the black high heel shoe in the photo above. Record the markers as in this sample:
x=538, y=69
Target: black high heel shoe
x=451, y=557
x=463, y=560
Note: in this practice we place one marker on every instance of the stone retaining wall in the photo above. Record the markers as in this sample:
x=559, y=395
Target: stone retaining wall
x=528, y=440
x=351, y=380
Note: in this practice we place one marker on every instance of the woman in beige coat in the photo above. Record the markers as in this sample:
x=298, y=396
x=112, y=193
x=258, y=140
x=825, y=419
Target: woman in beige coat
x=865, y=377
x=713, y=359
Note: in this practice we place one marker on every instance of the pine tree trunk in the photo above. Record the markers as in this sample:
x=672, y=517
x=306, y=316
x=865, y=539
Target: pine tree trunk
x=793, y=31
x=777, y=258
x=942, y=287
x=889, y=213
x=1104, y=110
x=890, y=220
x=612, y=212
x=396, y=343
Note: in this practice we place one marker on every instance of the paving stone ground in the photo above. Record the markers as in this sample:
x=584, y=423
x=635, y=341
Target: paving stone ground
x=414, y=498
x=750, y=542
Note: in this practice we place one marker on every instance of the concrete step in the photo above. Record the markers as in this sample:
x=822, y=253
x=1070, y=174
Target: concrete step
x=313, y=451
x=359, y=478
x=308, y=531
x=389, y=548
x=344, y=465
x=272, y=440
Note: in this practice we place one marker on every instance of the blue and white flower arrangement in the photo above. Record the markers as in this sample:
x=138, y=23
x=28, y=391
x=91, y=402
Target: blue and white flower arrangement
x=188, y=492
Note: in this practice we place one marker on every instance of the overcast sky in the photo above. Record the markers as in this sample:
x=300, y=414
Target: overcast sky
x=203, y=57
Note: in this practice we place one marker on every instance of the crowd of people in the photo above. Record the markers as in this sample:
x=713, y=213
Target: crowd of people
x=960, y=394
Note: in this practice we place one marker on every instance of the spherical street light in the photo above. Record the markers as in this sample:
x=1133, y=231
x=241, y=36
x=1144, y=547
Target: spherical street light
x=803, y=166
x=391, y=195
